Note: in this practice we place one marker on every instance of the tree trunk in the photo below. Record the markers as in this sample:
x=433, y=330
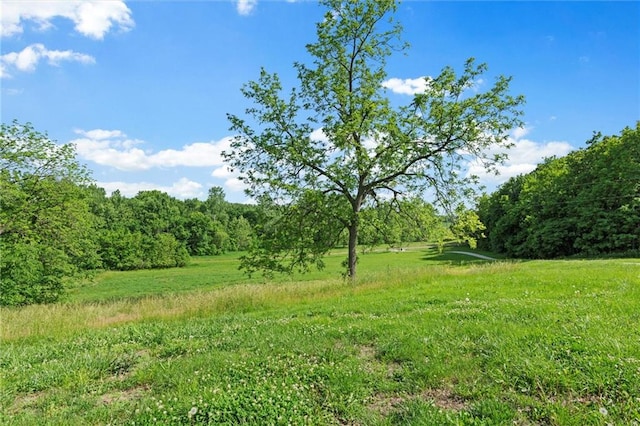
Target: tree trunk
x=354, y=225
x=353, y=249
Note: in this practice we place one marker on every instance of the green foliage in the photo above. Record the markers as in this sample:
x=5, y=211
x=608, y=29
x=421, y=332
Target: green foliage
x=45, y=224
x=586, y=203
x=292, y=238
x=467, y=226
x=121, y=249
x=400, y=221
x=164, y=251
x=368, y=150
x=155, y=230
x=241, y=233
x=31, y=273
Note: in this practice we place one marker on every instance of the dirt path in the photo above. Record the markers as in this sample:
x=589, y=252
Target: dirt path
x=479, y=256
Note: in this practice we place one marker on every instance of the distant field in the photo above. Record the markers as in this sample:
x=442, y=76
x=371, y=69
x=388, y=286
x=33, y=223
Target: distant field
x=420, y=339
x=207, y=273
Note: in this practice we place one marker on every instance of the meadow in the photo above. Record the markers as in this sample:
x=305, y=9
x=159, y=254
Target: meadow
x=420, y=339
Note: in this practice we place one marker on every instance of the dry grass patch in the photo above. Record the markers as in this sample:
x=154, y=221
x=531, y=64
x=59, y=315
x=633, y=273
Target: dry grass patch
x=26, y=402
x=445, y=399
x=67, y=318
x=126, y=395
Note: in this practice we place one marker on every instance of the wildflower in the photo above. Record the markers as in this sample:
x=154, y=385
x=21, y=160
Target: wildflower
x=193, y=411
x=603, y=411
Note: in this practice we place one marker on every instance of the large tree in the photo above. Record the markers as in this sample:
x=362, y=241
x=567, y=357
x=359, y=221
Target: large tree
x=367, y=150
x=45, y=223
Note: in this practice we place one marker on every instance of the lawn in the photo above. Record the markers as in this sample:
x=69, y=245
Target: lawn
x=421, y=338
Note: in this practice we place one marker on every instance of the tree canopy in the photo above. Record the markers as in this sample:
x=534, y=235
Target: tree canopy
x=585, y=203
x=44, y=221
x=335, y=144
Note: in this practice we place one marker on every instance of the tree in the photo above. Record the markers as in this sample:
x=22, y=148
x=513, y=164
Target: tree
x=368, y=148
x=45, y=223
x=586, y=203
x=150, y=230
x=467, y=226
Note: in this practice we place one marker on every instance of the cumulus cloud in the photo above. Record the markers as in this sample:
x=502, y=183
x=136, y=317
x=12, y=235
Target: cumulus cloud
x=27, y=60
x=222, y=172
x=235, y=185
x=245, y=7
x=524, y=157
x=100, y=134
x=114, y=149
x=92, y=18
x=413, y=86
x=319, y=135
x=4, y=73
x=407, y=86
x=230, y=177
x=183, y=188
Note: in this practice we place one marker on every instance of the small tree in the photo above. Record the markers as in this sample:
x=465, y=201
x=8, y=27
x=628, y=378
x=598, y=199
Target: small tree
x=367, y=148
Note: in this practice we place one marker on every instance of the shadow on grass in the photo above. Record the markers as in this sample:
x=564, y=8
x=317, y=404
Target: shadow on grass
x=452, y=256
x=453, y=259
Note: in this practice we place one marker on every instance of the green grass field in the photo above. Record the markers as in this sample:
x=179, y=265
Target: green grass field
x=420, y=339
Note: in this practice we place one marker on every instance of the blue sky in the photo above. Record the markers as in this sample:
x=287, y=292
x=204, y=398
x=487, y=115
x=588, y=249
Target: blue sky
x=143, y=87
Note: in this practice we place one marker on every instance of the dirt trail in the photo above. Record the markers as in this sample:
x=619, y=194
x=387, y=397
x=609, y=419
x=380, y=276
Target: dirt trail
x=479, y=256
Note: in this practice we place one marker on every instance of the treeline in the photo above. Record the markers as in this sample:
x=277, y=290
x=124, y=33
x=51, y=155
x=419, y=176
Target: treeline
x=56, y=225
x=586, y=203
x=155, y=230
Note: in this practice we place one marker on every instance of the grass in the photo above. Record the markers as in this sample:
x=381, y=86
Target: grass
x=215, y=272
x=422, y=339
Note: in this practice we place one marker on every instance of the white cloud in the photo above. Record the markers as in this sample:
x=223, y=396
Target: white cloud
x=523, y=158
x=183, y=188
x=520, y=132
x=3, y=71
x=413, y=86
x=99, y=134
x=319, y=135
x=27, y=60
x=235, y=185
x=407, y=86
x=112, y=148
x=231, y=180
x=245, y=7
x=222, y=172
x=92, y=18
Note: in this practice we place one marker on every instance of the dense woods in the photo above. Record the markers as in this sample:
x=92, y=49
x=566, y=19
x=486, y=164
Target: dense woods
x=586, y=203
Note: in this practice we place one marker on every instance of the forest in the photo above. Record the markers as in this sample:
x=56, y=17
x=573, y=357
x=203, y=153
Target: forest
x=586, y=203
